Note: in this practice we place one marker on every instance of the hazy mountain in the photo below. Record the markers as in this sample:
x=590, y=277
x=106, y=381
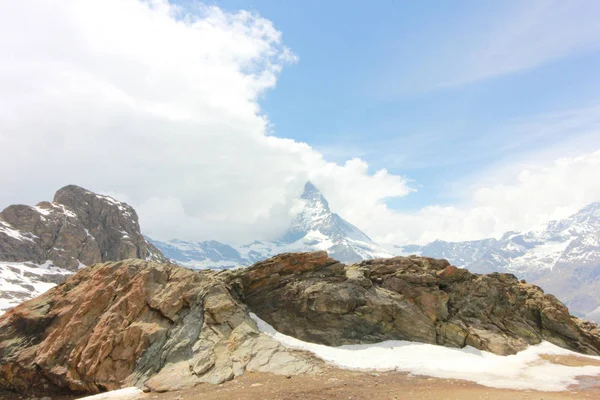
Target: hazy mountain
x=316, y=227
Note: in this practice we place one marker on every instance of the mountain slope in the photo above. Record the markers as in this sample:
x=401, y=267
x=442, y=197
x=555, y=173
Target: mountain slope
x=316, y=227
x=563, y=257
x=41, y=245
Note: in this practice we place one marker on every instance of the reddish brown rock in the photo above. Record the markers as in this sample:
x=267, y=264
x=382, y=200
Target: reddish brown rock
x=134, y=322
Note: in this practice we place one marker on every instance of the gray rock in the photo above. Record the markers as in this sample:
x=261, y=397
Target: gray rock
x=77, y=227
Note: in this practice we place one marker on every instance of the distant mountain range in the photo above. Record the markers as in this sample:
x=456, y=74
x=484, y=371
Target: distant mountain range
x=563, y=258
x=316, y=227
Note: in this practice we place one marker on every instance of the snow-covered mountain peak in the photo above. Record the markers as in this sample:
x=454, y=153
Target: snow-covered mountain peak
x=315, y=227
x=314, y=198
x=316, y=219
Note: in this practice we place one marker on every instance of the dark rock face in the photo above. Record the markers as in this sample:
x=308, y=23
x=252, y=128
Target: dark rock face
x=165, y=327
x=78, y=226
x=317, y=299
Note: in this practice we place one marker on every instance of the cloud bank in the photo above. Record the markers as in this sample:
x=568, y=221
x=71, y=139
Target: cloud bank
x=159, y=105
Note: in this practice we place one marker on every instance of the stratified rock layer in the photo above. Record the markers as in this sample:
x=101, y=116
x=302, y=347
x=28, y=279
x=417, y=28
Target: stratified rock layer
x=164, y=327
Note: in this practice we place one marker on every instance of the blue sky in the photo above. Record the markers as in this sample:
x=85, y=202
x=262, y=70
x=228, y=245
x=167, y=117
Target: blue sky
x=394, y=82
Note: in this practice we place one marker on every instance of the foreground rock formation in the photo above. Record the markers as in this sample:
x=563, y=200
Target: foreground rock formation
x=409, y=298
x=164, y=327
x=134, y=322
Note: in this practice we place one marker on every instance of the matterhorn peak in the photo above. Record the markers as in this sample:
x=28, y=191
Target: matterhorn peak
x=314, y=196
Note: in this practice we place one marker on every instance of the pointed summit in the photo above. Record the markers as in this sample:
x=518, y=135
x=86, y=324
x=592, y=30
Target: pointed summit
x=314, y=195
x=316, y=226
x=314, y=198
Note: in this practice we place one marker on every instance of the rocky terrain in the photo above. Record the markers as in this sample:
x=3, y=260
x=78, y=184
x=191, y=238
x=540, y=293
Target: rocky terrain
x=164, y=327
x=41, y=245
x=316, y=227
x=563, y=257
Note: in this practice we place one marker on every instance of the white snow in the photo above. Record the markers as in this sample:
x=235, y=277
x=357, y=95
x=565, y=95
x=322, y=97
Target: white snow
x=121, y=394
x=20, y=281
x=124, y=208
x=525, y=370
x=14, y=233
x=64, y=210
x=543, y=256
x=41, y=210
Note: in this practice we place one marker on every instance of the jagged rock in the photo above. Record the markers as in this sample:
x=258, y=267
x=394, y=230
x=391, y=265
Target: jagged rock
x=408, y=298
x=163, y=327
x=78, y=227
x=42, y=245
x=139, y=323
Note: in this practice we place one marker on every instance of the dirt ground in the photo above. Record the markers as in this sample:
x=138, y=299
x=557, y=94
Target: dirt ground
x=340, y=384
x=337, y=384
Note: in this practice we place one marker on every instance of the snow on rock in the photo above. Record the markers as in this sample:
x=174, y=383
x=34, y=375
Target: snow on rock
x=6, y=229
x=524, y=370
x=121, y=394
x=20, y=281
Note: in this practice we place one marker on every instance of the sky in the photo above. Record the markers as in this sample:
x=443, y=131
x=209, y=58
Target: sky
x=417, y=120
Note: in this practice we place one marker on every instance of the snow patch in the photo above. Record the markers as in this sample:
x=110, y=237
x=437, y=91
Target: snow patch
x=64, y=210
x=124, y=208
x=41, y=210
x=121, y=394
x=21, y=281
x=525, y=370
x=13, y=233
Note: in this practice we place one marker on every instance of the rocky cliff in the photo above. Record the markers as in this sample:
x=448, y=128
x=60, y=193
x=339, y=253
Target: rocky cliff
x=165, y=327
x=77, y=227
x=40, y=246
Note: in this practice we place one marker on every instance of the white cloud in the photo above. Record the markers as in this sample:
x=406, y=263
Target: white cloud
x=538, y=192
x=160, y=105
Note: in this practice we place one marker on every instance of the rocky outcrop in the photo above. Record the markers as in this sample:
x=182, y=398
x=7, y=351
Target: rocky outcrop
x=164, y=327
x=317, y=299
x=78, y=227
x=135, y=323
